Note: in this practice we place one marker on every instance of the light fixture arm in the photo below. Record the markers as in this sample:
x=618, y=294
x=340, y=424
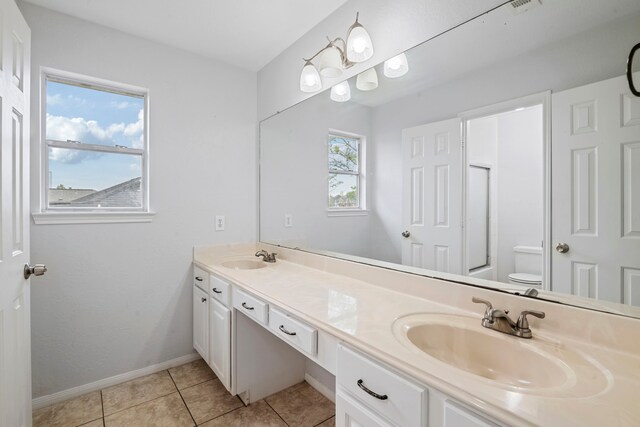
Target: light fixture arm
x=333, y=43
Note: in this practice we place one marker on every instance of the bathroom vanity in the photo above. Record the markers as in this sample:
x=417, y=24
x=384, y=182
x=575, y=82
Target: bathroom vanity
x=399, y=349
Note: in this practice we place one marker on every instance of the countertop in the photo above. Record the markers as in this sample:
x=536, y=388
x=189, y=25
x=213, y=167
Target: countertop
x=361, y=314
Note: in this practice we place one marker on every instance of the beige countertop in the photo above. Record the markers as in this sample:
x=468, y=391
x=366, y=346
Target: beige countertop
x=362, y=315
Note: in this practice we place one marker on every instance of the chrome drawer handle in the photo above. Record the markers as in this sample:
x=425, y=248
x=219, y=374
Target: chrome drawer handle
x=244, y=304
x=285, y=331
x=372, y=393
x=199, y=279
x=216, y=291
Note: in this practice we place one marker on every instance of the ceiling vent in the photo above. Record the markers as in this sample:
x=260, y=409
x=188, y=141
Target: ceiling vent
x=521, y=6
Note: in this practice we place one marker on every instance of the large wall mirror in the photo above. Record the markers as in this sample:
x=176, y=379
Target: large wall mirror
x=507, y=156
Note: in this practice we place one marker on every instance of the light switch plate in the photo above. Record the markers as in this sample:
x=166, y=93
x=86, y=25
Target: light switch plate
x=219, y=222
x=288, y=220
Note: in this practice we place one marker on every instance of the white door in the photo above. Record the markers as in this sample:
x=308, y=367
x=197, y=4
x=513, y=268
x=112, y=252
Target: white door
x=220, y=342
x=596, y=192
x=201, y=322
x=15, y=337
x=431, y=198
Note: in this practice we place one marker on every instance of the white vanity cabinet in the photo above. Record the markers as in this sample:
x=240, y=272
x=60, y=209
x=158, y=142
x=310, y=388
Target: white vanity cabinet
x=366, y=388
x=201, y=312
x=220, y=329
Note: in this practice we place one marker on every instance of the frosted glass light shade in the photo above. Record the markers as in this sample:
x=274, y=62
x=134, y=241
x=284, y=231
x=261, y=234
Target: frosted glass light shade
x=396, y=66
x=367, y=80
x=341, y=92
x=359, y=45
x=310, y=79
x=330, y=63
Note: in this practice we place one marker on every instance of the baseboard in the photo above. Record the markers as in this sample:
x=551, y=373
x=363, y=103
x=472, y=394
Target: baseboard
x=322, y=389
x=60, y=396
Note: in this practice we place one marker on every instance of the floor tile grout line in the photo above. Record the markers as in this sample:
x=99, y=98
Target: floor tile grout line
x=182, y=398
x=193, y=385
x=102, y=404
x=142, y=403
x=279, y=416
x=324, y=421
x=221, y=415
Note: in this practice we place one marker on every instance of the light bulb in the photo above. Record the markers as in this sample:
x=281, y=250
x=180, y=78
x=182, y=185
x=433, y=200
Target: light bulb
x=359, y=44
x=341, y=92
x=396, y=66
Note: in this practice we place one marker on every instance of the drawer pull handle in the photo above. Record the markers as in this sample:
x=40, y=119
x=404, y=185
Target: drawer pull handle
x=203, y=299
x=244, y=304
x=374, y=394
x=199, y=279
x=285, y=331
x=216, y=291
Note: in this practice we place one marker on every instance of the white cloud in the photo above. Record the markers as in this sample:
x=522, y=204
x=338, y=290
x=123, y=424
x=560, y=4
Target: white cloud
x=71, y=156
x=123, y=105
x=62, y=128
x=55, y=99
x=137, y=127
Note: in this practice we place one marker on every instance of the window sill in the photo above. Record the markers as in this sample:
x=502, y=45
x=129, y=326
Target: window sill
x=348, y=212
x=47, y=218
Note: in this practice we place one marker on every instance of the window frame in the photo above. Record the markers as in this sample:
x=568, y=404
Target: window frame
x=46, y=214
x=360, y=175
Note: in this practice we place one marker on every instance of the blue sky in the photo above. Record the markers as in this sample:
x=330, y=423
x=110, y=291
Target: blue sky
x=92, y=117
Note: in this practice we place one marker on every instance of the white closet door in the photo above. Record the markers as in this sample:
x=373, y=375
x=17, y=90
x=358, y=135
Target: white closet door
x=431, y=158
x=596, y=191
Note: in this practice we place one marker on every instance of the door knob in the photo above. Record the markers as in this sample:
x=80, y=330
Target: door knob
x=406, y=234
x=36, y=270
x=562, y=248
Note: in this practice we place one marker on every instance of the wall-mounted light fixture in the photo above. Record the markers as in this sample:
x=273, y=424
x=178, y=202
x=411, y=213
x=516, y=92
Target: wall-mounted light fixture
x=336, y=57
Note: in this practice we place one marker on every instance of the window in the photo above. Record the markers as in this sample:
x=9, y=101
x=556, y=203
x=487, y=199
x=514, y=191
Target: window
x=346, y=177
x=95, y=147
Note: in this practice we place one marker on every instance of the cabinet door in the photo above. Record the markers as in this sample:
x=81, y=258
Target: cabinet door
x=201, y=322
x=457, y=416
x=220, y=341
x=351, y=413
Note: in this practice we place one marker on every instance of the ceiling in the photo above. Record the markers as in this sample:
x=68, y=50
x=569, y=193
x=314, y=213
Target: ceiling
x=244, y=33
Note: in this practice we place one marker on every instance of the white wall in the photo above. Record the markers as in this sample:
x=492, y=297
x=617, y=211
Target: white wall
x=482, y=149
x=520, y=185
x=117, y=297
x=394, y=26
x=293, y=175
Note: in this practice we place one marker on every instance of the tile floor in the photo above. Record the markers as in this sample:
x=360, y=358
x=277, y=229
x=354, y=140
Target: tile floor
x=187, y=395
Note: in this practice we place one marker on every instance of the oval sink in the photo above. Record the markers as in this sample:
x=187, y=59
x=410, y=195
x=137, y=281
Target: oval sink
x=244, y=264
x=515, y=363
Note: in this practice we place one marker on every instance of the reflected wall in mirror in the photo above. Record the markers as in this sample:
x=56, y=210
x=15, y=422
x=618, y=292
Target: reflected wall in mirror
x=508, y=156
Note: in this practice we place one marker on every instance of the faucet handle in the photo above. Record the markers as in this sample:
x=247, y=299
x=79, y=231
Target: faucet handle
x=485, y=302
x=523, y=323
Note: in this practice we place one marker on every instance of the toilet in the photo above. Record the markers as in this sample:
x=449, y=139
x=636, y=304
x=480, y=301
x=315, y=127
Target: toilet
x=528, y=266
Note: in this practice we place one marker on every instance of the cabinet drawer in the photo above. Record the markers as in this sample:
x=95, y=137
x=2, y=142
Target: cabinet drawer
x=257, y=309
x=293, y=331
x=220, y=290
x=398, y=400
x=201, y=278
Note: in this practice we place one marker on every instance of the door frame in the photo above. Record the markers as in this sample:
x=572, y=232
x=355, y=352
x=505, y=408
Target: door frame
x=540, y=98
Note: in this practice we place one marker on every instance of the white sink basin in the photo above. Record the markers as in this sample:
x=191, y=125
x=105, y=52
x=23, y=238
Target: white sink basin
x=536, y=365
x=243, y=264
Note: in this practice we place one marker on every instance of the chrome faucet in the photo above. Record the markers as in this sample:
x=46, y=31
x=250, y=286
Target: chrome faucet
x=499, y=320
x=266, y=256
